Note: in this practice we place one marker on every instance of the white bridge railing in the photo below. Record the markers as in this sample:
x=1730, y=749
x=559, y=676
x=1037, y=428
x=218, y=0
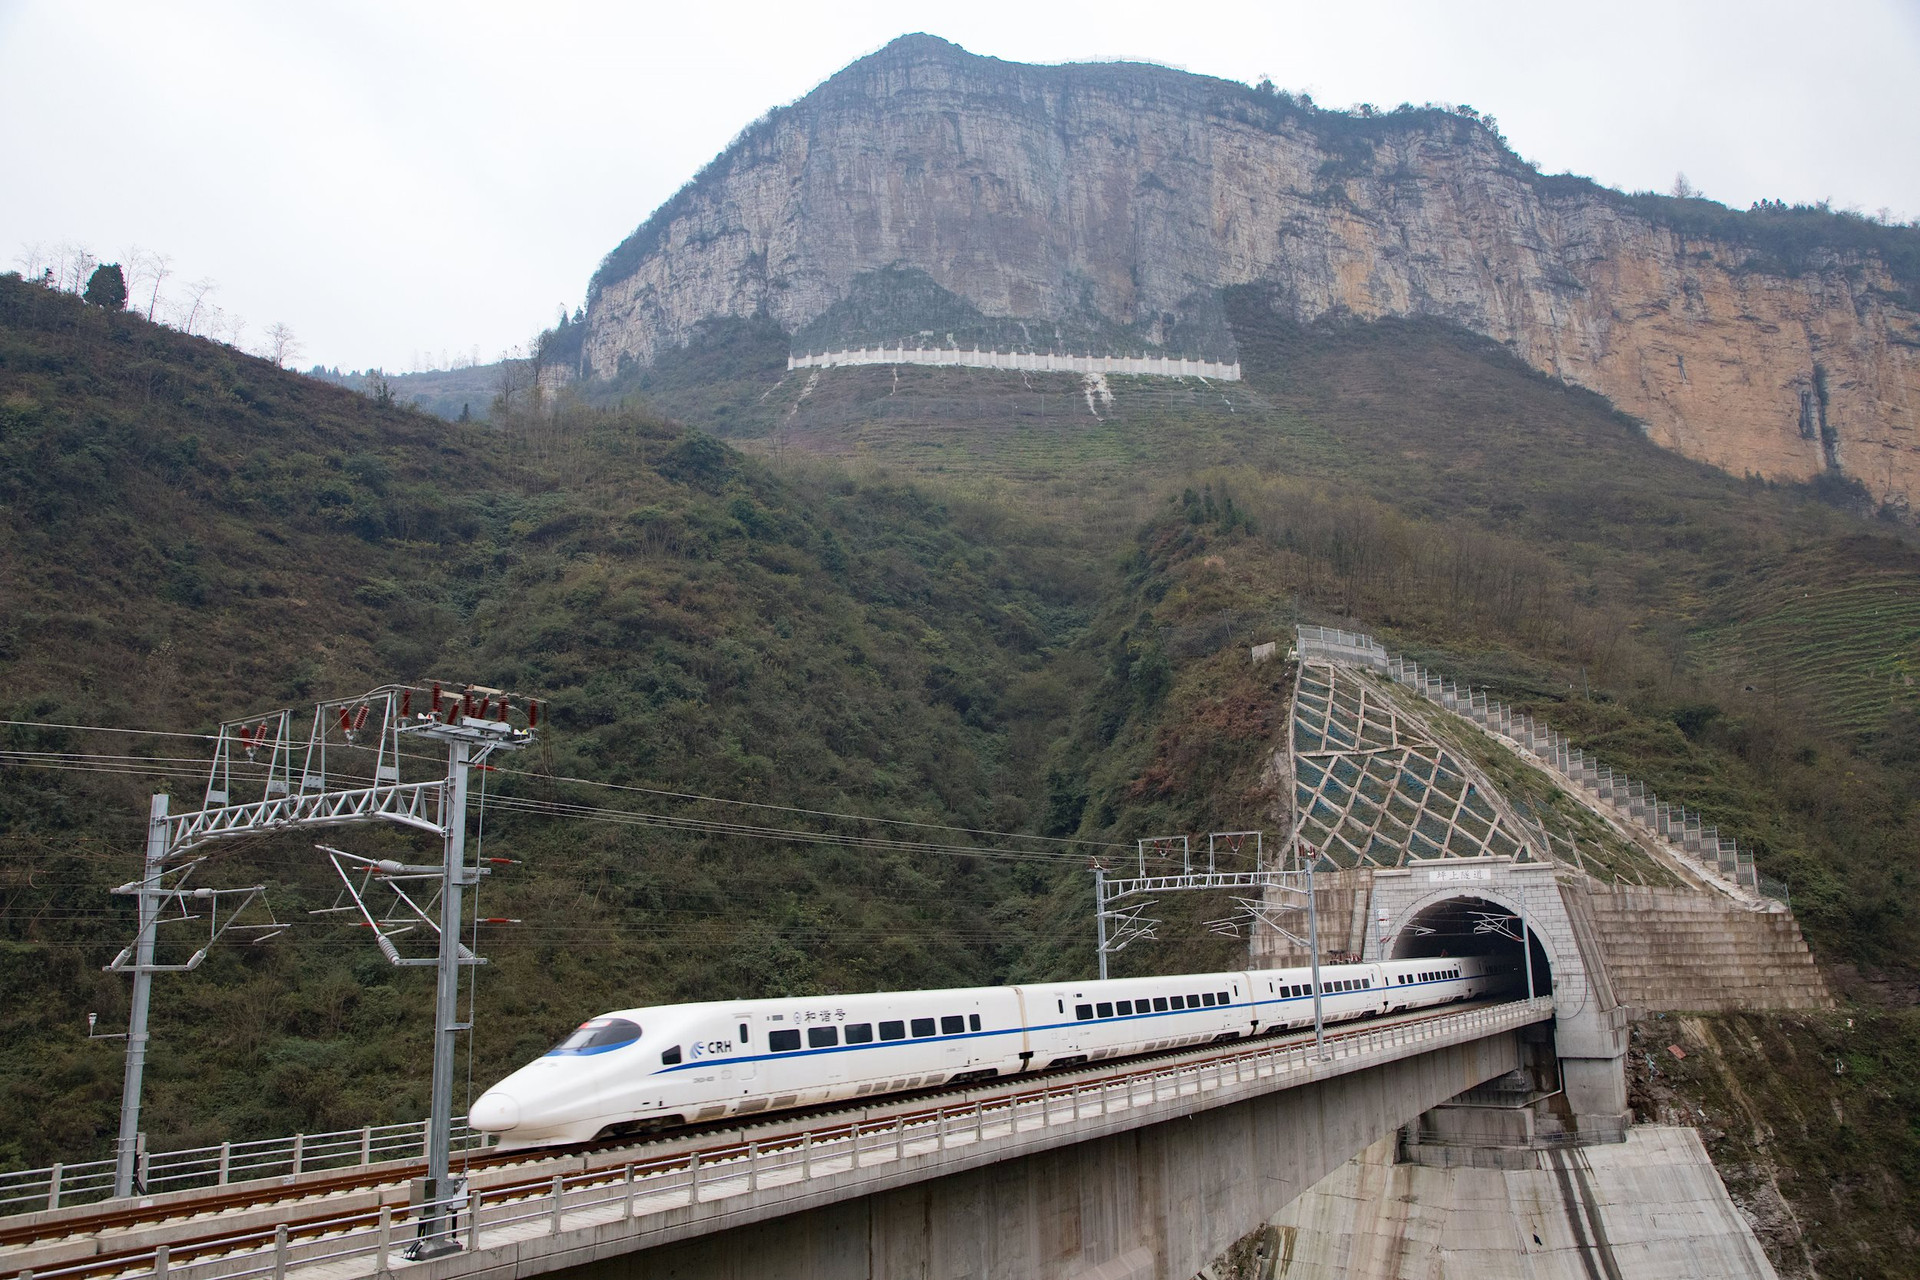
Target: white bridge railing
x=368, y=1242
x=32, y=1190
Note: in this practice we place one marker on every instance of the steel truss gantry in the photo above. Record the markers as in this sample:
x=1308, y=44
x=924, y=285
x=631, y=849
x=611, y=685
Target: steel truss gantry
x=1262, y=895
x=351, y=771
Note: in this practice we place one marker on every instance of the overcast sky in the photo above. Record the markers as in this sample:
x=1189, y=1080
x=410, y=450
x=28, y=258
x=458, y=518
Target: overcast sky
x=402, y=182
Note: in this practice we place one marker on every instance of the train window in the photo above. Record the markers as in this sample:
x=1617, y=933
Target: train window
x=668, y=1057
x=952, y=1025
x=1193, y=1002
x=1206, y=998
x=744, y=1037
x=859, y=1033
x=1062, y=1004
x=923, y=1026
x=822, y=1037
x=1179, y=1002
x=973, y=1022
x=1083, y=1011
x=1104, y=1009
x=1159, y=1004
x=783, y=1041
x=893, y=1031
x=1221, y=998
x=1124, y=1008
x=599, y=1035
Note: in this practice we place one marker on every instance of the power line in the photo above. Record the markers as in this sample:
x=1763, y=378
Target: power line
x=817, y=813
x=101, y=728
x=664, y=793
x=168, y=767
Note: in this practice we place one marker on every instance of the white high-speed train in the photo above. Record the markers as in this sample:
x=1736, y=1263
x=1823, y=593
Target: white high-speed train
x=637, y=1069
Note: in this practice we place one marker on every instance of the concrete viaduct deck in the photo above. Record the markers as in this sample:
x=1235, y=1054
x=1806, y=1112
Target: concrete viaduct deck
x=1140, y=1170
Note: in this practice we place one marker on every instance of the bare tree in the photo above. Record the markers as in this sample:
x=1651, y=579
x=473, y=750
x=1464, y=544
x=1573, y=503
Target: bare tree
x=198, y=295
x=76, y=265
x=282, y=346
x=1684, y=190
x=32, y=260
x=149, y=267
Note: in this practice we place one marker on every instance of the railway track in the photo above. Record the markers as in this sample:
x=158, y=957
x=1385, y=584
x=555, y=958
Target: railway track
x=118, y=1238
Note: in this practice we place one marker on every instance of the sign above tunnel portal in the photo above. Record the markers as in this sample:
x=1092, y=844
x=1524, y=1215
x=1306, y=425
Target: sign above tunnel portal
x=1458, y=875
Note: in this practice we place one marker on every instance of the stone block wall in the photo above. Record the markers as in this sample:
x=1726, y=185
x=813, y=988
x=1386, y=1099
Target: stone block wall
x=1672, y=950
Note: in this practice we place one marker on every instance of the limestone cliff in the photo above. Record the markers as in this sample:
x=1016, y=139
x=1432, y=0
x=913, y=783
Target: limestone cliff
x=925, y=190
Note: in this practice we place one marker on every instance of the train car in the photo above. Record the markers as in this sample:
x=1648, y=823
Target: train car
x=639, y=1069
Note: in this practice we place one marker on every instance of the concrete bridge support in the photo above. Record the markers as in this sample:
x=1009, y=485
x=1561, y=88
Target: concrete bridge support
x=1154, y=1202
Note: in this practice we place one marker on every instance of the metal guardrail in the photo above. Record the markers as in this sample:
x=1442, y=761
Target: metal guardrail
x=645, y=1188
x=31, y=1190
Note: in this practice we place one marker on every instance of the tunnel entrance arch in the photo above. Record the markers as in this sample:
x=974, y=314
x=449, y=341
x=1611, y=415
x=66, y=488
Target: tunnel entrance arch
x=1473, y=925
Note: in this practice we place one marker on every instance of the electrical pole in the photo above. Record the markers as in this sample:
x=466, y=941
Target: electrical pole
x=124, y=1152
x=1313, y=947
x=1100, y=914
x=470, y=738
x=439, y=1188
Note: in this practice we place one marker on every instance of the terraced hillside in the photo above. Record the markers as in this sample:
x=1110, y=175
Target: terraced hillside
x=1833, y=632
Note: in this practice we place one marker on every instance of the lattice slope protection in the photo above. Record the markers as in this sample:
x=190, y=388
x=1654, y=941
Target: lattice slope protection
x=1375, y=786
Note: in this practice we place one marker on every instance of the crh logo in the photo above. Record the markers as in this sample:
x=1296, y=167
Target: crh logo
x=699, y=1050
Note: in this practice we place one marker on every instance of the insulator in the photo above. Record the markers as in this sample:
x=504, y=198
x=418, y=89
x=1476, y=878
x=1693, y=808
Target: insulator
x=466, y=701
x=484, y=704
x=346, y=720
x=498, y=920
x=246, y=736
x=260, y=734
x=501, y=712
x=406, y=703
x=533, y=715
x=504, y=862
x=360, y=717
x=436, y=697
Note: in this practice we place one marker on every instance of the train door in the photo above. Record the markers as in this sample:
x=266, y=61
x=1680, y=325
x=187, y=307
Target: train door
x=745, y=1046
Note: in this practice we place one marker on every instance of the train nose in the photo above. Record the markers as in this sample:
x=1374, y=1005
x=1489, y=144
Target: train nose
x=495, y=1112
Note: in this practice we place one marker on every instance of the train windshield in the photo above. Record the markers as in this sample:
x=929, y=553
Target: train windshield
x=598, y=1036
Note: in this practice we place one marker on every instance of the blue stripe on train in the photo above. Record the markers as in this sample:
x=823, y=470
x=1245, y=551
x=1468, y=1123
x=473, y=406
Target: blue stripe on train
x=787, y=1054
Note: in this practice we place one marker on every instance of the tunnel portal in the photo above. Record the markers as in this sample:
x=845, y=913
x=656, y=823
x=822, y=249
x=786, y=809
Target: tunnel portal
x=1470, y=926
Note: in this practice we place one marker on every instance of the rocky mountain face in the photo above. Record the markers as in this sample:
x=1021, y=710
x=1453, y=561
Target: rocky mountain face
x=928, y=195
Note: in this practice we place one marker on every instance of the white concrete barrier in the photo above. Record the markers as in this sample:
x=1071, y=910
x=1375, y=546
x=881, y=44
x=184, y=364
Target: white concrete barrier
x=1029, y=361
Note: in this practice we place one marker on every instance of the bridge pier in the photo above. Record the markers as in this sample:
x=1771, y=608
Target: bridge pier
x=1151, y=1202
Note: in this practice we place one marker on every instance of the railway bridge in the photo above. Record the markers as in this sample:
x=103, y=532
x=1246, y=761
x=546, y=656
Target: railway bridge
x=1147, y=1168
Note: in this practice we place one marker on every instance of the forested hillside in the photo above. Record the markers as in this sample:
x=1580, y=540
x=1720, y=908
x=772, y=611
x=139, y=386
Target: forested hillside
x=194, y=534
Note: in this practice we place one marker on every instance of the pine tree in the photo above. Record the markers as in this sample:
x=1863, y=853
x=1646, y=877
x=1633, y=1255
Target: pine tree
x=107, y=287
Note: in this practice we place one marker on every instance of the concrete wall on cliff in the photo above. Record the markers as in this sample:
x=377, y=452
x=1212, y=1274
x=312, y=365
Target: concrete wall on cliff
x=1112, y=202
